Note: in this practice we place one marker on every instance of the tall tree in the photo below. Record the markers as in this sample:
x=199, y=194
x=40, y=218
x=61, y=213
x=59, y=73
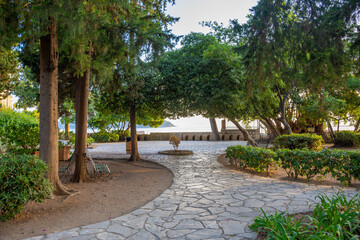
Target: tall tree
x=204, y=77
x=49, y=57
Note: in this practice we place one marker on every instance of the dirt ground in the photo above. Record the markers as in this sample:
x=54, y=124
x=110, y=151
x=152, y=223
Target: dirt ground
x=132, y=185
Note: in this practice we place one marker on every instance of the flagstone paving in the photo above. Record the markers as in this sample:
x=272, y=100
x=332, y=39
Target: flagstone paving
x=205, y=201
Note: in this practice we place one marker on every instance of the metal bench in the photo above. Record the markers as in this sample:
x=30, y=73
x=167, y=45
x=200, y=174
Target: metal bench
x=99, y=168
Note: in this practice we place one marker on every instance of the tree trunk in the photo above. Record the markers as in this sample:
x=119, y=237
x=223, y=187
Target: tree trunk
x=214, y=130
x=134, y=146
x=282, y=104
x=81, y=105
x=331, y=130
x=286, y=125
x=244, y=132
x=49, y=135
x=272, y=128
x=356, y=128
x=67, y=125
x=279, y=127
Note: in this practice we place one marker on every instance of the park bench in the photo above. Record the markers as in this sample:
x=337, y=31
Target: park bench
x=99, y=168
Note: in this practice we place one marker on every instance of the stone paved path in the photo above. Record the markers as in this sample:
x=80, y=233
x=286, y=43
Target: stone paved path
x=205, y=201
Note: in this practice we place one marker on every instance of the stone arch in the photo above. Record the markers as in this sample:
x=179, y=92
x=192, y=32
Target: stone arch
x=138, y=138
x=201, y=138
x=223, y=137
x=186, y=137
x=208, y=138
x=145, y=138
x=238, y=137
x=194, y=138
x=231, y=137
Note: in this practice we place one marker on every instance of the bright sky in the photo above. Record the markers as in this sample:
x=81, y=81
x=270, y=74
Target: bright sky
x=191, y=12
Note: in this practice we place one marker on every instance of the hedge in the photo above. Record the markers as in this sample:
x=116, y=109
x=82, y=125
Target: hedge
x=103, y=137
x=19, y=132
x=257, y=159
x=300, y=141
x=22, y=178
x=342, y=165
x=347, y=139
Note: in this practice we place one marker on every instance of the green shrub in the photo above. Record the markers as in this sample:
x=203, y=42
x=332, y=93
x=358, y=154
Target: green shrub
x=102, y=137
x=342, y=165
x=300, y=141
x=303, y=162
x=89, y=140
x=257, y=159
x=122, y=134
x=333, y=218
x=19, y=132
x=347, y=139
x=22, y=178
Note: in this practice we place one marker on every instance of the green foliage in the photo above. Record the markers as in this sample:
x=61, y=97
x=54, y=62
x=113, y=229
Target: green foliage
x=89, y=140
x=342, y=165
x=334, y=217
x=22, y=178
x=102, y=137
x=347, y=139
x=303, y=162
x=27, y=90
x=299, y=141
x=257, y=159
x=19, y=131
x=279, y=226
x=8, y=71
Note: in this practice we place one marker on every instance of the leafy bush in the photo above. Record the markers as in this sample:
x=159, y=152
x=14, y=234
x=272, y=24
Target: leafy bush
x=258, y=159
x=19, y=132
x=342, y=165
x=89, y=141
x=22, y=178
x=102, y=137
x=305, y=163
x=347, y=139
x=122, y=134
x=334, y=218
x=300, y=141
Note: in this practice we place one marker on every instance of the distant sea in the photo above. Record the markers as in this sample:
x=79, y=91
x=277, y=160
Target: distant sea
x=190, y=124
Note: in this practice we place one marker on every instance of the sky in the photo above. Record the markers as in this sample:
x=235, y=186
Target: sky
x=191, y=12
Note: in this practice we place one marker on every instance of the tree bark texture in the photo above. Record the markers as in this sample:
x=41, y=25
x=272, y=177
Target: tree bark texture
x=81, y=105
x=67, y=125
x=49, y=134
x=331, y=130
x=271, y=127
x=244, y=132
x=134, y=146
x=282, y=107
x=356, y=128
x=214, y=130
